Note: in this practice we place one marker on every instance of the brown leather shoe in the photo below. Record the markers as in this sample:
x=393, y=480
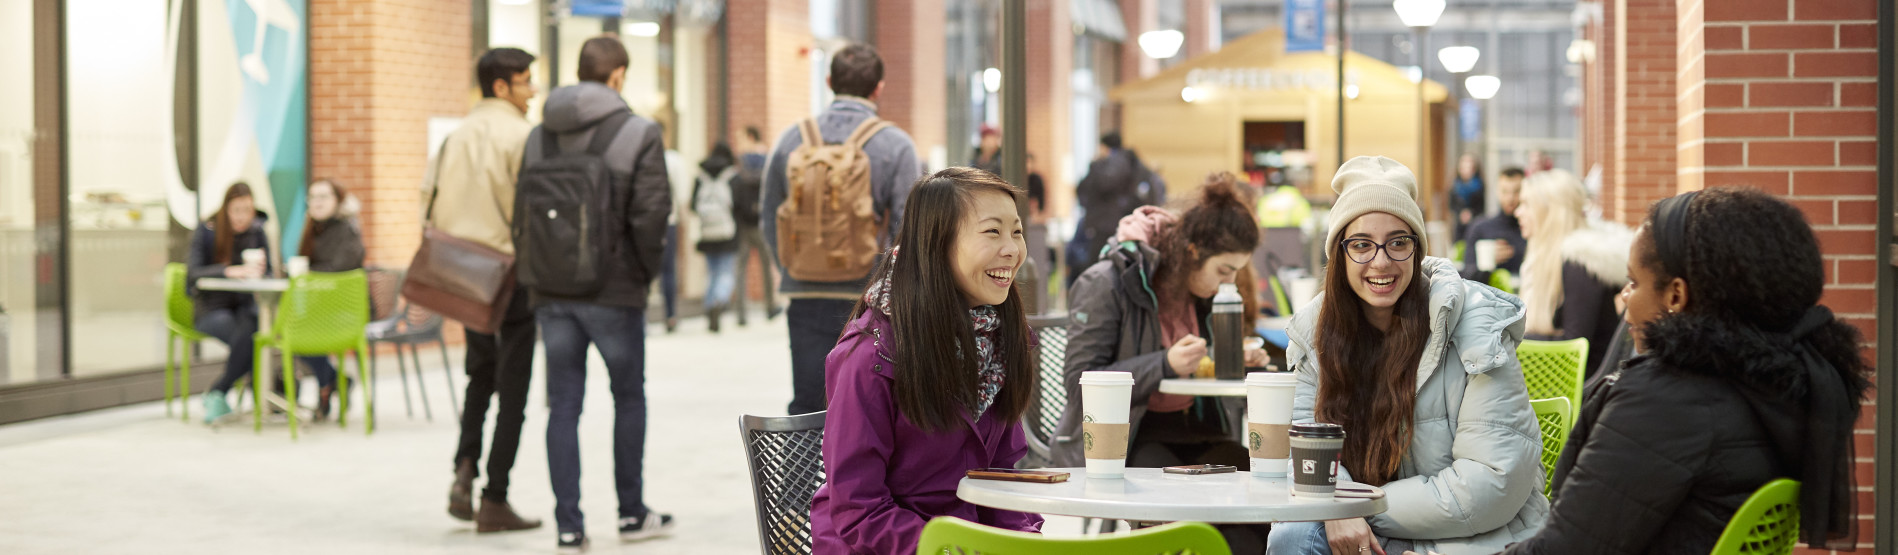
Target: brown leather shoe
x=497, y=516
x=461, y=493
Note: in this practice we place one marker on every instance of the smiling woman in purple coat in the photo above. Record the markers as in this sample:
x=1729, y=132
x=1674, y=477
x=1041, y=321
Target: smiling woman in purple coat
x=933, y=374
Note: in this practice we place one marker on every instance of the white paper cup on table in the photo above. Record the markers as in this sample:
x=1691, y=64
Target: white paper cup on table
x=298, y=266
x=254, y=258
x=1486, y=255
x=1106, y=398
x=1268, y=421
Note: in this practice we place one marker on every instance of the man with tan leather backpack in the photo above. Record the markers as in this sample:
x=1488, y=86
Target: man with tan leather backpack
x=833, y=198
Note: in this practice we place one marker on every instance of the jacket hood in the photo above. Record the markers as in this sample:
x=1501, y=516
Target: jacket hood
x=1484, y=323
x=1602, y=249
x=575, y=107
x=1769, y=362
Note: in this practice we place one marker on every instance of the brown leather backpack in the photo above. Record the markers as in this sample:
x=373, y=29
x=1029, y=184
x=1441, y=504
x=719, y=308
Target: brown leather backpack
x=828, y=224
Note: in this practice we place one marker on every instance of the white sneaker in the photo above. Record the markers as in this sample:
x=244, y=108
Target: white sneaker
x=653, y=526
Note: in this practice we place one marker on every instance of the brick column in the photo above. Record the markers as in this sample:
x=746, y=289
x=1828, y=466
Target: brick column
x=1600, y=126
x=1785, y=96
x=1644, y=143
x=1202, y=28
x=769, y=44
x=1050, y=64
x=1140, y=16
x=910, y=38
x=378, y=72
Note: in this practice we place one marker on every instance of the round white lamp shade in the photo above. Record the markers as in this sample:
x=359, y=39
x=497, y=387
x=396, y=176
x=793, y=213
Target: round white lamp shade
x=1161, y=44
x=1482, y=87
x=1459, y=59
x=1418, y=13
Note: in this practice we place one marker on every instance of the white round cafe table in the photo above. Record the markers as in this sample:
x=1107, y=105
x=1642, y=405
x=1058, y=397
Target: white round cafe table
x=265, y=285
x=1203, y=387
x=1147, y=494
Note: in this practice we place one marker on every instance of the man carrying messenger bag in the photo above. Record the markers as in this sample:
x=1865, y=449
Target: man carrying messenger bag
x=465, y=270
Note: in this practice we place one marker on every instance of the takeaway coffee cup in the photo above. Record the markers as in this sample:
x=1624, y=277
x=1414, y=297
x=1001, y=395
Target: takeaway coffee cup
x=1105, y=400
x=254, y=258
x=298, y=266
x=1315, y=449
x=1269, y=421
x=1486, y=255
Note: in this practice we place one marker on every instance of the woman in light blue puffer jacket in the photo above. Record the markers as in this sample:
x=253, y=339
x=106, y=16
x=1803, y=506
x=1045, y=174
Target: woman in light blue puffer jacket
x=1419, y=366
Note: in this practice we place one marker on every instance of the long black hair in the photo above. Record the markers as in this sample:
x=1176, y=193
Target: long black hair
x=932, y=338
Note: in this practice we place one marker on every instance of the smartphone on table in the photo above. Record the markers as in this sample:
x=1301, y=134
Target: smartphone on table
x=1018, y=475
x=1200, y=469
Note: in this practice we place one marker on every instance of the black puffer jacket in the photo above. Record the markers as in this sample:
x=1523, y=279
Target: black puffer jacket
x=201, y=263
x=1669, y=447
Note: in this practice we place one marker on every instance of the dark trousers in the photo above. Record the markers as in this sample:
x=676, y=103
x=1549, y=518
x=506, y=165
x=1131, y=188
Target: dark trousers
x=236, y=328
x=815, y=325
x=620, y=335
x=501, y=363
x=751, y=240
x=669, y=272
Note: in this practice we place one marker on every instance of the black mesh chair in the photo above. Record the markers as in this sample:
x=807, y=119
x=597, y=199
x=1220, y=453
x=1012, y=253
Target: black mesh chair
x=787, y=466
x=397, y=322
x=1052, y=331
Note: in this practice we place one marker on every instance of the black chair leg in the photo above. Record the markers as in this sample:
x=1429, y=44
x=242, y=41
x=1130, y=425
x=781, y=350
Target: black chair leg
x=448, y=373
x=420, y=385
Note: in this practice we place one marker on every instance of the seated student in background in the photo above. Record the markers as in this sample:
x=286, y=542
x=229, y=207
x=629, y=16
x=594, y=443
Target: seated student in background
x=334, y=244
x=1419, y=366
x=1739, y=378
x=932, y=376
x=1575, y=265
x=217, y=251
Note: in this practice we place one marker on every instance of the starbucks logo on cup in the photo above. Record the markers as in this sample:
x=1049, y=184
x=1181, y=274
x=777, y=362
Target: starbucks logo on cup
x=1255, y=441
x=1311, y=466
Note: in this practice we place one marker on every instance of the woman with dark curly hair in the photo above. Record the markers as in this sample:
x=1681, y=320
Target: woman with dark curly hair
x=1739, y=378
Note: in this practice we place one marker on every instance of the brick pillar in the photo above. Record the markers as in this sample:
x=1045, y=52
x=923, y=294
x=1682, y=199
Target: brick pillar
x=1202, y=28
x=1050, y=64
x=769, y=44
x=1645, y=120
x=378, y=72
x=1785, y=96
x=1140, y=16
x=1600, y=126
x=910, y=37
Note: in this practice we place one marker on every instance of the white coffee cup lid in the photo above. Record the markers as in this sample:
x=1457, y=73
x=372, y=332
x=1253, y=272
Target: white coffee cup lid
x=1271, y=378
x=1101, y=377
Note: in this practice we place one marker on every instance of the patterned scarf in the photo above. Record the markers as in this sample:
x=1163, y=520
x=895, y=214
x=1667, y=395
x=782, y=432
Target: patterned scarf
x=988, y=325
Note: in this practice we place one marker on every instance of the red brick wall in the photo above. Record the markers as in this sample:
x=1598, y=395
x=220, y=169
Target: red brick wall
x=769, y=55
x=910, y=37
x=1202, y=27
x=1646, y=99
x=1140, y=16
x=1789, y=96
x=1050, y=63
x=1600, y=124
x=378, y=71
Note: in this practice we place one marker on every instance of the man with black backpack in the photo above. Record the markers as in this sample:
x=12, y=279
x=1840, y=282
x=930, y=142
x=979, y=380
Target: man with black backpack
x=590, y=220
x=846, y=155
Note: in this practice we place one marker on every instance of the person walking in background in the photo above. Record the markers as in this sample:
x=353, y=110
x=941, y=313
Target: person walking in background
x=988, y=151
x=822, y=280
x=1110, y=190
x=1574, y=266
x=1467, y=197
x=746, y=189
x=471, y=196
x=933, y=376
x=679, y=174
x=1502, y=227
x=713, y=200
x=218, y=250
x=597, y=297
x=333, y=242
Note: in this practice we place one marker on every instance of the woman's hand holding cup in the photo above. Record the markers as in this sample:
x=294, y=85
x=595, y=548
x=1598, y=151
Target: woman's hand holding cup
x=1184, y=355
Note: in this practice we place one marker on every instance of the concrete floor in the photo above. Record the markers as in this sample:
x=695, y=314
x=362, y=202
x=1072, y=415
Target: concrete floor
x=129, y=480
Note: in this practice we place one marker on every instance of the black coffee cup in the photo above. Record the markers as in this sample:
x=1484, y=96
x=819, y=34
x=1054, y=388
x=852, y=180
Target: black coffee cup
x=1315, y=449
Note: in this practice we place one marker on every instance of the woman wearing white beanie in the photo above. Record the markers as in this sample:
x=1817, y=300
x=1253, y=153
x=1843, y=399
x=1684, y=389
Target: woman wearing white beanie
x=1419, y=366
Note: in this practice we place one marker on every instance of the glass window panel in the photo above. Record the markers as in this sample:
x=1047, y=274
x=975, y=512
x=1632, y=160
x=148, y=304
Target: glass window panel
x=19, y=260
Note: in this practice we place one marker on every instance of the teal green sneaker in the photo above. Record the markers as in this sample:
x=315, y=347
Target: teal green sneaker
x=214, y=406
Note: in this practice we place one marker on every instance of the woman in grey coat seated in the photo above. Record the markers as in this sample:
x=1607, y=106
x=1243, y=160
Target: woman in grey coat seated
x=1419, y=366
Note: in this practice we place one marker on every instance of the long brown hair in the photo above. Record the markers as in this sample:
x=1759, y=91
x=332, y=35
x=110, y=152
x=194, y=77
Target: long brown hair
x=1367, y=378
x=929, y=317
x=312, y=227
x=221, y=222
x=1220, y=223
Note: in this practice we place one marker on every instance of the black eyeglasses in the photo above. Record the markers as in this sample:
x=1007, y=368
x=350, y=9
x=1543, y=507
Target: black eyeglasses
x=1363, y=251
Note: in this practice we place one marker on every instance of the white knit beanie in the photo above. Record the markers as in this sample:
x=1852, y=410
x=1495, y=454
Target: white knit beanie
x=1369, y=184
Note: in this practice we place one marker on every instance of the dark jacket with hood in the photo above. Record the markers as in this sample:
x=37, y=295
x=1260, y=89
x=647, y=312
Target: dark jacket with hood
x=1667, y=448
x=1110, y=190
x=642, y=194
x=201, y=265
x=1114, y=325
x=337, y=247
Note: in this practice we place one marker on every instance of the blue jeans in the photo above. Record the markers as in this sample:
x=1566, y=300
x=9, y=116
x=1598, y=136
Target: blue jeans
x=566, y=329
x=236, y=328
x=669, y=272
x=1301, y=538
x=718, y=293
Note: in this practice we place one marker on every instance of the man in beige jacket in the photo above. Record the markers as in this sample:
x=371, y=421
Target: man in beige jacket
x=470, y=193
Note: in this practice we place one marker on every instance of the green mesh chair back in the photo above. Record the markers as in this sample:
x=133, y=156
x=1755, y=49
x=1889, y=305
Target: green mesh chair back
x=1051, y=385
x=947, y=535
x=1456, y=253
x=1279, y=299
x=324, y=313
x=178, y=306
x=1502, y=279
x=1554, y=369
x=1552, y=416
x=1767, y=524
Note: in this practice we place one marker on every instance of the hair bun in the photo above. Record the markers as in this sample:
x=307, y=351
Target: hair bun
x=1222, y=189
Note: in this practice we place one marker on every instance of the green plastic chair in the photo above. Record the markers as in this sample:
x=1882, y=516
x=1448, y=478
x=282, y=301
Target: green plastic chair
x=1767, y=524
x=180, y=321
x=1279, y=298
x=1552, y=416
x=947, y=535
x=1502, y=279
x=1456, y=253
x=1554, y=369
x=321, y=314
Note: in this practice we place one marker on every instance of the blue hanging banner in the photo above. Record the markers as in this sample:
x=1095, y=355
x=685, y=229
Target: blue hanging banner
x=1471, y=114
x=1304, y=26
x=599, y=8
